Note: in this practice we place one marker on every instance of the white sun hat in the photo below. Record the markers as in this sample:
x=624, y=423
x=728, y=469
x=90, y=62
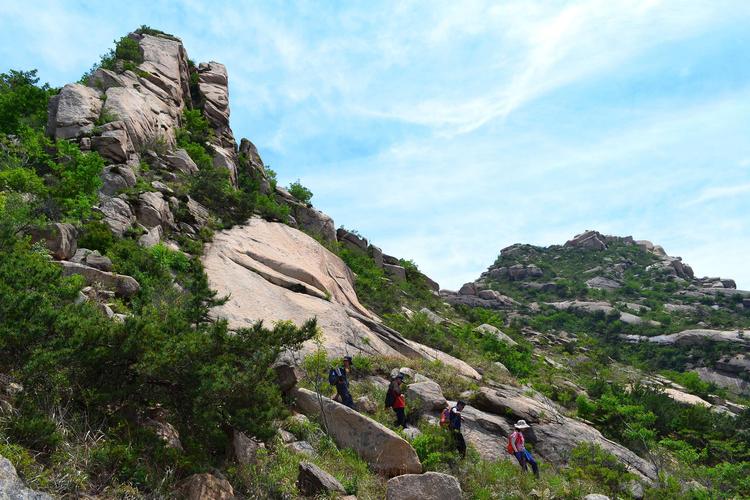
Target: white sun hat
x=521, y=424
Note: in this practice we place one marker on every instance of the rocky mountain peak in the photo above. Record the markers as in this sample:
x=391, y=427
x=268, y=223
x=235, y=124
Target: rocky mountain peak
x=138, y=105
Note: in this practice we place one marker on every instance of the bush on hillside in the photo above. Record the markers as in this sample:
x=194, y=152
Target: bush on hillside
x=300, y=192
x=23, y=103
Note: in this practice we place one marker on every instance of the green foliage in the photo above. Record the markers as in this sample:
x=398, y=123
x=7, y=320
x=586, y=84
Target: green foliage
x=73, y=176
x=168, y=354
x=79, y=180
x=36, y=432
x=435, y=447
x=590, y=462
x=362, y=364
x=148, y=30
x=692, y=382
x=195, y=128
x=96, y=235
x=22, y=102
x=300, y=192
x=212, y=185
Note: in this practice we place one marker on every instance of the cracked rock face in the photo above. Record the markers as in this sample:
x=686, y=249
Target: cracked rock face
x=272, y=272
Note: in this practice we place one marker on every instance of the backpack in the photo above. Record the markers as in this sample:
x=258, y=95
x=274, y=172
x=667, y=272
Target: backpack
x=444, y=416
x=333, y=376
x=389, y=398
x=510, y=444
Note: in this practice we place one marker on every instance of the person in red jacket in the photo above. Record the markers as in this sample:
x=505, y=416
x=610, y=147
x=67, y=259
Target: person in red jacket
x=517, y=446
x=398, y=400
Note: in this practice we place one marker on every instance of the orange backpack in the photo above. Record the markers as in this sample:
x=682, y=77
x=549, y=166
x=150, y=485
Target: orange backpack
x=510, y=444
x=444, y=417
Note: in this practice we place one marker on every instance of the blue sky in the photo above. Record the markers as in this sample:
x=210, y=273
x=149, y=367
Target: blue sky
x=445, y=131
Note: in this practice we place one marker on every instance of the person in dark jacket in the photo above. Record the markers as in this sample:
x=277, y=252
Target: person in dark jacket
x=398, y=401
x=454, y=424
x=339, y=378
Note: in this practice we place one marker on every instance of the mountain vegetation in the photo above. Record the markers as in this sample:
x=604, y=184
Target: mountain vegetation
x=120, y=379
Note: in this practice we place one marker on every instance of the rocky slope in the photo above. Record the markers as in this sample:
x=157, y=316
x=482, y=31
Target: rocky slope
x=537, y=310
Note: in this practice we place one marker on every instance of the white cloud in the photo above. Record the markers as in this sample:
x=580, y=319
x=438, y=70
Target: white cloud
x=720, y=193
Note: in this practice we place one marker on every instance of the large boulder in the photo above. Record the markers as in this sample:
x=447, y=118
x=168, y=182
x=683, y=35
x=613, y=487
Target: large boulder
x=245, y=448
x=180, y=160
x=487, y=329
x=312, y=480
x=213, y=86
x=383, y=449
x=696, y=337
x=92, y=258
x=432, y=485
x=153, y=210
x=314, y=221
x=395, y=272
x=165, y=431
x=166, y=66
x=592, y=240
x=226, y=159
x=59, y=238
x=124, y=286
x=728, y=381
x=118, y=215
x=206, y=487
x=116, y=178
x=11, y=486
x=739, y=363
x=602, y=283
x=351, y=240
x=113, y=144
x=73, y=111
x=514, y=402
x=147, y=119
x=425, y=396
x=151, y=237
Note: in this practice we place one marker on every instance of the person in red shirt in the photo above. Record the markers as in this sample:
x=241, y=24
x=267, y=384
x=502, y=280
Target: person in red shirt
x=399, y=402
x=517, y=443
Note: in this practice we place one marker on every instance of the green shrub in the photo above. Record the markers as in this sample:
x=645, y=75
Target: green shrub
x=435, y=447
x=96, y=235
x=34, y=431
x=362, y=364
x=22, y=102
x=21, y=180
x=589, y=462
x=300, y=192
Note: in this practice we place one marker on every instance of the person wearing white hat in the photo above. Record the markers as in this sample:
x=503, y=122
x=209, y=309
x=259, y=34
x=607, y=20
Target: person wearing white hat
x=517, y=447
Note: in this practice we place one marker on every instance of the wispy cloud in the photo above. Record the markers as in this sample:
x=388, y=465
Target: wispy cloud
x=720, y=193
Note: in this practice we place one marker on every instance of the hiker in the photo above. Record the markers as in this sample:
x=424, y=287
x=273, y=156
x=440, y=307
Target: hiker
x=394, y=398
x=517, y=447
x=338, y=377
x=454, y=424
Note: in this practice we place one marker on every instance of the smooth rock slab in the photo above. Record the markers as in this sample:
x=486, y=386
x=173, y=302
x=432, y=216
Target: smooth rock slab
x=383, y=449
x=432, y=485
